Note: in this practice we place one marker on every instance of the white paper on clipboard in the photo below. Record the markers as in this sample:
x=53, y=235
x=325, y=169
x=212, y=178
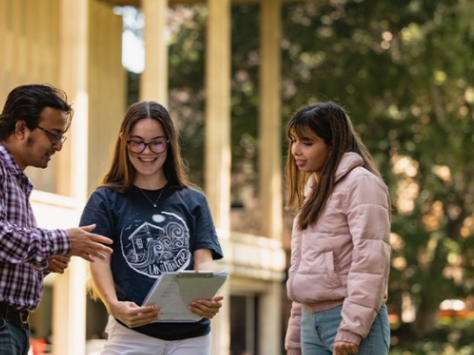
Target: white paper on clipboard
x=173, y=292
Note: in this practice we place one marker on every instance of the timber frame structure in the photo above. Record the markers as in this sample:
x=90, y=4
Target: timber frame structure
x=76, y=45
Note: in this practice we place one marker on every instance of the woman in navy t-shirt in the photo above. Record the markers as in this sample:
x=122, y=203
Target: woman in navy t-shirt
x=158, y=224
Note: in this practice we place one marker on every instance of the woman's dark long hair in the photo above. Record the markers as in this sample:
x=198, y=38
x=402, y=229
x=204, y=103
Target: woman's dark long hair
x=121, y=173
x=330, y=122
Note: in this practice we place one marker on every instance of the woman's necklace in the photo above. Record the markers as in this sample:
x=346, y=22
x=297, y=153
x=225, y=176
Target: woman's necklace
x=156, y=202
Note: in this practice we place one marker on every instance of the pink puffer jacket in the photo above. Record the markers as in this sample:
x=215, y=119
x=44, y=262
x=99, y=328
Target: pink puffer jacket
x=344, y=258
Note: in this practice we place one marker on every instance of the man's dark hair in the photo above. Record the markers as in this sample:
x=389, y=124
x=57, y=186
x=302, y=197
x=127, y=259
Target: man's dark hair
x=25, y=103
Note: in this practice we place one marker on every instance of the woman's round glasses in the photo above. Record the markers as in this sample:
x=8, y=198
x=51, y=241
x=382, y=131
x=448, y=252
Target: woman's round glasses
x=157, y=146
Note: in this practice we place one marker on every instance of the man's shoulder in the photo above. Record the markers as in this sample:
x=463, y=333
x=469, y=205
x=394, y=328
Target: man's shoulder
x=2, y=173
x=5, y=164
x=8, y=164
x=4, y=161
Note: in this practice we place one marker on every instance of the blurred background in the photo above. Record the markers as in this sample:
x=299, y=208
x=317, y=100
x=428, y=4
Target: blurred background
x=232, y=73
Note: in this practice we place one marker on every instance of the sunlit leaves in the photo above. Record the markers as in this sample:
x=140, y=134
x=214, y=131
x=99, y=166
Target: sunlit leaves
x=404, y=70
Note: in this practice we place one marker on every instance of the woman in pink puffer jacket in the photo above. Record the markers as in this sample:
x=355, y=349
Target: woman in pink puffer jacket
x=340, y=249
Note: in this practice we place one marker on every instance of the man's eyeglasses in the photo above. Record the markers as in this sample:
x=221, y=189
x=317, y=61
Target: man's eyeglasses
x=157, y=146
x=53, y=137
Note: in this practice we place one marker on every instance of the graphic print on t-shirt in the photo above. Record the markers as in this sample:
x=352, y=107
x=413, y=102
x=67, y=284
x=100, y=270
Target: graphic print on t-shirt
x=152, y=249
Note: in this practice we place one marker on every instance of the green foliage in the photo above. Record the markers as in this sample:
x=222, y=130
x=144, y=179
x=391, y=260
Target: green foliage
x=187, y=94
x=453, y=337
x=404, y=70
x=133, y=87
x=186, y=84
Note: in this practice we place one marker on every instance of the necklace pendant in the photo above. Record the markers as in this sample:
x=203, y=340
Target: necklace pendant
x=154, y=204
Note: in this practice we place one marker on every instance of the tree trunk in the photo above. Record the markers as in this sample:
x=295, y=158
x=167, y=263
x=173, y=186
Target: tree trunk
x=426, y=316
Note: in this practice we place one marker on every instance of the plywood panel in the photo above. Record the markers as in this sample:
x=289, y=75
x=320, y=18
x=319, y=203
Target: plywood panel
x=107, y=88
x=136, y=3
x=52, y=52
x=30, y=29
x=9, y=54
x=20, y=17
x=32, y=41
x=4, y=89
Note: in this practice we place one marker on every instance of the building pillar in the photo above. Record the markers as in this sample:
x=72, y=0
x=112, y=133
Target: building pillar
x=69, y=297
x=69, y=310
x=217, y=124
x=217, y=144
x=269, y=121
x=270, y=163
x=269, y=328
x=154, y=79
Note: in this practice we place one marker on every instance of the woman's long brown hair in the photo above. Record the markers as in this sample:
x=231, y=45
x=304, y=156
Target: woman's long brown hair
x=330, y=122
x=121, y=173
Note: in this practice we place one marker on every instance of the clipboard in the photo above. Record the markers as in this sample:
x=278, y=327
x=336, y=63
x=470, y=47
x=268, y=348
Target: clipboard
x=173, y=292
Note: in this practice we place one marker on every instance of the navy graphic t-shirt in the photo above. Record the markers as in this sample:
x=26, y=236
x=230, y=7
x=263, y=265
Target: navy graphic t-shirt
x=149, y=241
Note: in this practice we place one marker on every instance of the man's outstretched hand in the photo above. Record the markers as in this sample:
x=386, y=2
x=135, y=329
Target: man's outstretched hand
x=58, y=263
x=88, y=245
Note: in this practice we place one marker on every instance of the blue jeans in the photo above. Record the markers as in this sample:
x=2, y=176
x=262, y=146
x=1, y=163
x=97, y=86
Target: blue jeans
x=319, y=330
x=14, y=338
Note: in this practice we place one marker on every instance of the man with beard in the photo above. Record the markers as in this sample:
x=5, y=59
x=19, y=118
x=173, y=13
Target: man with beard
x=32, y=127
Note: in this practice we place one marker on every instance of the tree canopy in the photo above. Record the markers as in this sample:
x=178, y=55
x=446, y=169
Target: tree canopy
x=404, y=70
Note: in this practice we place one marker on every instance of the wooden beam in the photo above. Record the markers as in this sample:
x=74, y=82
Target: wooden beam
x=217, y=124
x=154, y=81
x=137, y=3
x=180, y=2
x=270, y=121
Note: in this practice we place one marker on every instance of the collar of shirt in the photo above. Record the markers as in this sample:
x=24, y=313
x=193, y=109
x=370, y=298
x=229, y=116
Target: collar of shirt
x=10, y=164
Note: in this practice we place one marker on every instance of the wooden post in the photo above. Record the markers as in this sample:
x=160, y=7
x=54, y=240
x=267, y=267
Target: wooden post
x=270, y=167
x=154, y=80
x=69, y=297
x=270, y=122
x=217, y=144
